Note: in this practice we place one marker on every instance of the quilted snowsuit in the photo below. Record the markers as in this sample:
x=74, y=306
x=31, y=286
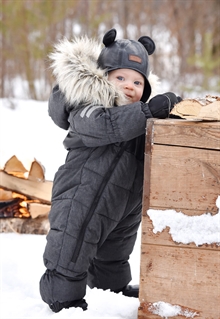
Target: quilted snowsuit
x=97, y=193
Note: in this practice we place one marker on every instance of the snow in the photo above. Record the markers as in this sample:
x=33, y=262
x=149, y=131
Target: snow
x=165, y=310
x=203, y=229
x=27, y=131
x=21, y=268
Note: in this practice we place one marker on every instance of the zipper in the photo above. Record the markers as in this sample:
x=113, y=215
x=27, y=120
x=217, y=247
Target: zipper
x=95, y=203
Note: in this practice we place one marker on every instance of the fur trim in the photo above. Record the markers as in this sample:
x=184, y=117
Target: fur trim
x=75, y=68
x=154, y=83
x=74, y=65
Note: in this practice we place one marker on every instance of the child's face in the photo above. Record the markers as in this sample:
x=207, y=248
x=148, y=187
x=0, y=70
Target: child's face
x=130, y=81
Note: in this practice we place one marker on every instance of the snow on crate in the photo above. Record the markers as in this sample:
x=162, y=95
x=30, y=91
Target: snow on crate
x=166, y=310
x=203, y=229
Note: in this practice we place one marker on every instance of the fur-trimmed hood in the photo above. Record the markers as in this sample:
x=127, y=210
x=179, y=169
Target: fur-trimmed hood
x=74, y=65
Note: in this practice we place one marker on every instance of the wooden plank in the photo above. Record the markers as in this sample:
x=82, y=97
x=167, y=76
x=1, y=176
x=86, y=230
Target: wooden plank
x=186, y=133
x=180, y=276
x=147, y=166
x=182, y=178
x=164, y=238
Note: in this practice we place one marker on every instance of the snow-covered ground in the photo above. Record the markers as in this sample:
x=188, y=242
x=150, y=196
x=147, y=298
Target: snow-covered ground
x=21, y=268
x=28, y=132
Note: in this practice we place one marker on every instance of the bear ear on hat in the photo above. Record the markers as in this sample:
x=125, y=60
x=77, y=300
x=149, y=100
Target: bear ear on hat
x=148, y=43
x=109, y=37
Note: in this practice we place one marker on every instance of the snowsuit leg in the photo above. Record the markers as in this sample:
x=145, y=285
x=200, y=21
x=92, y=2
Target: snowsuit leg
x=91, y=246
x=110, y=268
x=57, y=287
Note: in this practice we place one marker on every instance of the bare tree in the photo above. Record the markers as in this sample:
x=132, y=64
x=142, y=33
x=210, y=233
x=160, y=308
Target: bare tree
x=186, y=33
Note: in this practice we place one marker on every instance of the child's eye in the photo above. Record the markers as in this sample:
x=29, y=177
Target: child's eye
x=137, y=83
x=120, y=78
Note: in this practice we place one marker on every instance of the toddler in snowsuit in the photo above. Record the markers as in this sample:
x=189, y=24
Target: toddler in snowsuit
x=100, y=97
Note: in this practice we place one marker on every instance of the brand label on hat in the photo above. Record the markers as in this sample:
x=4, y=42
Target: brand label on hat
x=134, y=58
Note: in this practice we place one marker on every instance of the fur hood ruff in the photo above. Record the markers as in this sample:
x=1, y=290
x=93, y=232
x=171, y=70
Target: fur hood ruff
x=74, y=65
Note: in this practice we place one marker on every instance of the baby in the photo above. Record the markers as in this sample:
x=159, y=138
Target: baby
x=101, y=97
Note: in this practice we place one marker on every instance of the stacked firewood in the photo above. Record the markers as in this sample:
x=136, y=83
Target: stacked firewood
x=199, y=109
x=24, y=195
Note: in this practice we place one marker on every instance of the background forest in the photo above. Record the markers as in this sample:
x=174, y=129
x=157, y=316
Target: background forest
x=186, y=33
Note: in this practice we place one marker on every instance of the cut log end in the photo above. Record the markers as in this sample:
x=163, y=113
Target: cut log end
x=15, y=167
x=36, y=172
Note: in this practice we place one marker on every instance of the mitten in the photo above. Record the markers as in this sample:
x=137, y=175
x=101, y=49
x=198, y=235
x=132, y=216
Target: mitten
x=57, y=306
x=161, y=105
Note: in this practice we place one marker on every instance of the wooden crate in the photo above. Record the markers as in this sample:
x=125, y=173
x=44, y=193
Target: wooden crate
x=182, y=172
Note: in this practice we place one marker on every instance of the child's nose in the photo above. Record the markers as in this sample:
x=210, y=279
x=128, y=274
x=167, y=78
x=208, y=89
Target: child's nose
x=129, y=85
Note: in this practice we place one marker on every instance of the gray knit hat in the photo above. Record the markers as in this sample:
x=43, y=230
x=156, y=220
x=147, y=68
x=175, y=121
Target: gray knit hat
x=127, y=54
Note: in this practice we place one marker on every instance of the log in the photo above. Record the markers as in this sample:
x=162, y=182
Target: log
x=5, y=195
x=30, y=188
x=36, y=172
x=39, y=225
x=15, y=167
x=38, y=209
x=9, y=208
x=198, y=109
x=210, y=112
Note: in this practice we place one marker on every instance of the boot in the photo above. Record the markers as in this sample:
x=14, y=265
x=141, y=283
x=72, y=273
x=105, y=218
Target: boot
x=131, y=291
x=57, y=306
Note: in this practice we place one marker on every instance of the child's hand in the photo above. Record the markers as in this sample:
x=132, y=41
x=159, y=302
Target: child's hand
x=161, y=105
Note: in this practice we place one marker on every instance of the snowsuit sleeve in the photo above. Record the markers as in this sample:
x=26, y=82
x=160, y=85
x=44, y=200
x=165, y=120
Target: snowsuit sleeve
x=57, y=108
x=96, y=125
x=99, y=126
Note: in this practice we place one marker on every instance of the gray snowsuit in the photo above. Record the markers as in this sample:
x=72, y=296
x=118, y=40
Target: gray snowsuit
x=97, y=193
